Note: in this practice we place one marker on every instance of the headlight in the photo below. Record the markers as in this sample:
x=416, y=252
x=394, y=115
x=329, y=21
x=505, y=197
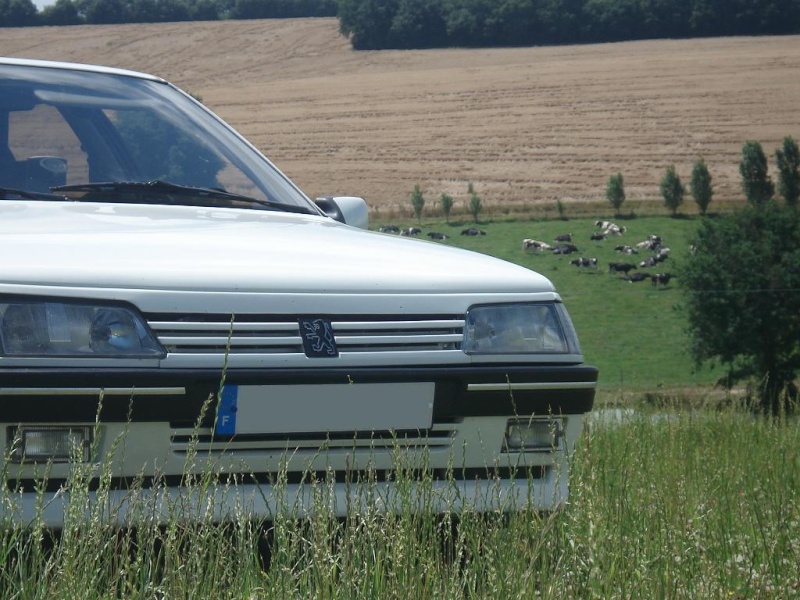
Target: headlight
x=534, y=328
x=74, y=329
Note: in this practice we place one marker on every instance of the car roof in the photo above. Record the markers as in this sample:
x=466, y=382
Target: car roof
x=70, y=66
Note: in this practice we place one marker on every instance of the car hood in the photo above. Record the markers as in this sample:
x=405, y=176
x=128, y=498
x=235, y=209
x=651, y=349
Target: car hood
x=220, y=249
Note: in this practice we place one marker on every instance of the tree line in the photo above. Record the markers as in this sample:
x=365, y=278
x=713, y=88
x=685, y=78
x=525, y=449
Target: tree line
x=757, y=184
x=378, y=24
x=23, y=13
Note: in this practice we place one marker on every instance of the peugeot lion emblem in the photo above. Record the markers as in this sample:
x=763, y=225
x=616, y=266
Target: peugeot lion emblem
x=318, y=340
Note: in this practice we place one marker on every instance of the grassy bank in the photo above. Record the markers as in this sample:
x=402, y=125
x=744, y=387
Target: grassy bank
x=674, y=505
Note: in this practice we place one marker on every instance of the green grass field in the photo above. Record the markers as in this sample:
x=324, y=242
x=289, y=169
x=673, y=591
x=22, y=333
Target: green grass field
x=631, y=331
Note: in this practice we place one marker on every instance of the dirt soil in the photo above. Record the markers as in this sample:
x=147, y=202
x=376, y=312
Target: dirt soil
x=527, y=126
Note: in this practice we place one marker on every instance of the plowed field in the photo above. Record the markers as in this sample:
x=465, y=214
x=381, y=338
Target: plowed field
x=527, y=126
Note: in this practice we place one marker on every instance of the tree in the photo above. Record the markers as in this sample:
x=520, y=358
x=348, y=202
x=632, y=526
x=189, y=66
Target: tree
x=701, y=186
x=788, y=159
x=366, y=22
x=475, y=203
x=105, y=12
x=63, y=12
x=18, y=13
x=416, y=24
x=672, y=190
x=757, y=186
x=446, y=201
x=418, y=202
x=741, y=299
x=615, y=191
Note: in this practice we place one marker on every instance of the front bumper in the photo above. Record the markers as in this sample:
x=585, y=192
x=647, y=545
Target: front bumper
x=155, y=433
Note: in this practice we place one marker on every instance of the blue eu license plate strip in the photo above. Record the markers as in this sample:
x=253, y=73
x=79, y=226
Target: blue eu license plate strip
x=226, y=410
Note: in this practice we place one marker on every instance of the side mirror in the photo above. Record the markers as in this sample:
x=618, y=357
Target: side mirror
x=351, y=210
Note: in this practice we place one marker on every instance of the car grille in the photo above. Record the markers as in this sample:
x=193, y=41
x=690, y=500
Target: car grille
x=186, y=441
x=222, y=334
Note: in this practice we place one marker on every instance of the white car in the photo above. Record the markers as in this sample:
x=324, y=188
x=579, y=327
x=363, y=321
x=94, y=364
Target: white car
x=171, y=304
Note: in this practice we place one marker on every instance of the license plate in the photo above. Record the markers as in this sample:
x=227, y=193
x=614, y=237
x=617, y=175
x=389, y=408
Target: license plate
x=325, y=408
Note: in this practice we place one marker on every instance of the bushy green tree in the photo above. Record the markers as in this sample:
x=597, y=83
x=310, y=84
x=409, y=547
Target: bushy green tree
x=417, y=202
x=788, y=158
x=741, y=299
x=757, y=186
x=367, y=22
x=615, y=191
x=446, y=200
x=701, y=186
x=18, y=13
x=63, y=12
x=672, y=190
x=417, y=24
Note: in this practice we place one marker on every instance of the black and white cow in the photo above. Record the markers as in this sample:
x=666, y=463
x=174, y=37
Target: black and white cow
x=530, y=244
x=584, y=263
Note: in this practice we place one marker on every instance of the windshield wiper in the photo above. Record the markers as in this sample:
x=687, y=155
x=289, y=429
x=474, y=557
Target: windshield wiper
x=29, y=195
x=164, y=192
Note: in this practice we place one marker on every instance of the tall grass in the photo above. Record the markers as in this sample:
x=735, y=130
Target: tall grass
x=674, y=504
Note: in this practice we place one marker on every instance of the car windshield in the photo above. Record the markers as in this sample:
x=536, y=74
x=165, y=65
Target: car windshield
x=72, y=134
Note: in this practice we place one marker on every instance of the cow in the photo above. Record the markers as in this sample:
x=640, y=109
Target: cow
x=652, y=243
x=610, y=228
x=615, y=230
x=566, y=237
x=626, y=249
x=661, y=279
x=435, y=235
x=389, y=229
x=597, y=237
x=473, y=231
x=582, y=263
x=620, y=267
x=565, y=249
x=648, y=262
x=411, y=231
x=529, y=244
x=636, y=277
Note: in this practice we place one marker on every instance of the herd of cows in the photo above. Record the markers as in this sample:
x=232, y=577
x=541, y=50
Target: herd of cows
x=653, y=244
x=563, y=244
